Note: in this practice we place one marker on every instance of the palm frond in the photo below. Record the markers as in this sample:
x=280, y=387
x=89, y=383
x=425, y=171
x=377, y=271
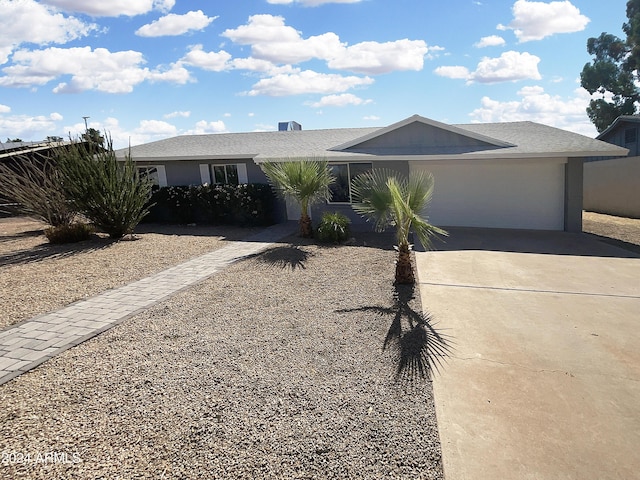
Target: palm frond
x=304, y=180
x=390, y=199
x=372, y=197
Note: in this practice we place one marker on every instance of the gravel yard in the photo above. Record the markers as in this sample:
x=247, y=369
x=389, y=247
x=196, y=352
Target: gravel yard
x=301, y=362
x=37, y=277
x=619, y=229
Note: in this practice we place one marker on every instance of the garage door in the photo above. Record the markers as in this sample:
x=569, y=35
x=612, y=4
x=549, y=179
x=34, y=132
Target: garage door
x=506, y=195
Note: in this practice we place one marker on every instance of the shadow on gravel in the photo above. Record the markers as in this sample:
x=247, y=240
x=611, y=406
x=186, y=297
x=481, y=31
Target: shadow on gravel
x=415, y=346
x=228, y=232
x=288, y=256
x=48, y=251
x=19, y=235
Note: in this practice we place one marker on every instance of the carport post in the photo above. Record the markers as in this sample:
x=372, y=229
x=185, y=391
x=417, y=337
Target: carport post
x=573, y=195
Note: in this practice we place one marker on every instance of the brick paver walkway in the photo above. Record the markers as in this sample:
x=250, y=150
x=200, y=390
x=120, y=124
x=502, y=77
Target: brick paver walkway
x=29, y=343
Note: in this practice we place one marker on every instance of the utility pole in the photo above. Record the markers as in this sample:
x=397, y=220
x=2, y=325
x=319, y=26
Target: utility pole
x=86, y=127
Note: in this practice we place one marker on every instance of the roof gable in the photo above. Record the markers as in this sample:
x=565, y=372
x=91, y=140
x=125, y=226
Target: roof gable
x=621, y=121
x=417, y=135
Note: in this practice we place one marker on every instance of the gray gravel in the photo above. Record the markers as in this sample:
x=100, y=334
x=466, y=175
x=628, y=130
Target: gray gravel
x=296, y=363
x=66, y=273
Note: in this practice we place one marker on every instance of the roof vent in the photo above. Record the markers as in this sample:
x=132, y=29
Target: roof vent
x=288, y=126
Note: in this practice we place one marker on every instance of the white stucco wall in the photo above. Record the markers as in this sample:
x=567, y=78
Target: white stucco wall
x=613, y=186
x=525, y=194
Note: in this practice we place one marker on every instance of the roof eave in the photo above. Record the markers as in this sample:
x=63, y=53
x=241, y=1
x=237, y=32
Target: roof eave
x=620, y=119
x=180, y=158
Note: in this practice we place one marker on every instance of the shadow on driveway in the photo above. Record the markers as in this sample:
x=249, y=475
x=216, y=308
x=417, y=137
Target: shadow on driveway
x=535, y=241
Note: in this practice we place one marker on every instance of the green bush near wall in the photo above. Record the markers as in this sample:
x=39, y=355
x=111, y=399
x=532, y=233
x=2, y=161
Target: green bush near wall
x=245, y=205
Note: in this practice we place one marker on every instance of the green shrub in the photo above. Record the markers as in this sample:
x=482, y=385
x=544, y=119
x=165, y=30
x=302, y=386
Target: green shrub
x=245, y=205
x=75, y=232
x=333, y=228
x=110, y=193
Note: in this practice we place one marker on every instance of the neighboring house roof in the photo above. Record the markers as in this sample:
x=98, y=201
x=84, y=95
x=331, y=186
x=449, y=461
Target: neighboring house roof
x=415, y=138
x=12, y=149
x=616, y=122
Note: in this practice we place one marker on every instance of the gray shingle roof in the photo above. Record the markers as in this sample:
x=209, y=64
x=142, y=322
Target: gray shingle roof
x=528, y=139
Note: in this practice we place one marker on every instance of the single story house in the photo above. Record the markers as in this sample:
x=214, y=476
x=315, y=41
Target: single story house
x=612, y=185
x=504, y=175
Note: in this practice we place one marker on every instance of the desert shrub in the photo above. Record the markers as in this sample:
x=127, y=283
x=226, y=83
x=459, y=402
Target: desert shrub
x=333, y=228
x=72, y=233
x=35, y=185
x=245, y=205
x=110, y=193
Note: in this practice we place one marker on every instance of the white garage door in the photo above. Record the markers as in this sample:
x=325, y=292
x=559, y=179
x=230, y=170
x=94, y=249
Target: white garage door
x=527, y=194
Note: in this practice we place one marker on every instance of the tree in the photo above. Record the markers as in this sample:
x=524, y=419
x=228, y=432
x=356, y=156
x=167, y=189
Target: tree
x=613, y=72
x=94, y=139
x=303, y=181
x=390, y=199
x=110, y=193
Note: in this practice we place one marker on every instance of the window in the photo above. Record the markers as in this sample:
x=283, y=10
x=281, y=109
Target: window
x=630, y=135
x=344, y=173
x=230, y=173
x=156, y=173
x=226, y=174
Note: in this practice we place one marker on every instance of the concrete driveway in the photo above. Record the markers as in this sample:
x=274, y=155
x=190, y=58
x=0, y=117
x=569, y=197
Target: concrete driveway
x=544, y=379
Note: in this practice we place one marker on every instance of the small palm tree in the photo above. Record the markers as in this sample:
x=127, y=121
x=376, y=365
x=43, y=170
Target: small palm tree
x=390, y=199
x=303, y=181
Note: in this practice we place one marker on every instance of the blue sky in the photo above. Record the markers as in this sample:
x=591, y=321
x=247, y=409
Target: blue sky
x=143, y=70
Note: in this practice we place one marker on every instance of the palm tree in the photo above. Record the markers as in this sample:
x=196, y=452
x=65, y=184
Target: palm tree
x=390, y=199
x=304, y=181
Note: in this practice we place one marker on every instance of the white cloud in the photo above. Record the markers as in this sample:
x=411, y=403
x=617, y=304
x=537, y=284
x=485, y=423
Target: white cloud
x=99, y=69
x=212, y=61
x=310, y=3
x=112, y=8
x=537, y=20
x=27, y=21
x=185, y=114
x=508, y=67
x=146, y=131
x=307, y=81
x=376, y=58
x=261, y=66
x=203, y=128
x=175, y=73
x=372, y=118
x=173, y=24
x=538, y=106
x=273, y=41
x=156, y=128
x=490, y=41
x=340, y=101
x=29, y=127
x=455, y=72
